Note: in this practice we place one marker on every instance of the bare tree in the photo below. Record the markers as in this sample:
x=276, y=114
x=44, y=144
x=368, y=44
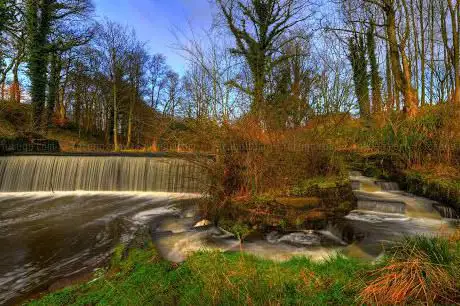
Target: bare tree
x=113, y=39
x=137, y=59
x=258, y=27
x=157, y=70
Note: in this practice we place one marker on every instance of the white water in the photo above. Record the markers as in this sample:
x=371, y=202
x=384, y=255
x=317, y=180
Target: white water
x=386, y=214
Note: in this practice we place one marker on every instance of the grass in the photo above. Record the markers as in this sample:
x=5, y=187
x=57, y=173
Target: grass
x=418, y=270
x=213, y=278
x=6, y=129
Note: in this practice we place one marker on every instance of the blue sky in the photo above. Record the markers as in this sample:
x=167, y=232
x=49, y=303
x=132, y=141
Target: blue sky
x=156, y=20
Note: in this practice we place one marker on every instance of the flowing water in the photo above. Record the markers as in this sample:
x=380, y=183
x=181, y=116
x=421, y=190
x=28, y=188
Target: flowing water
x=385, y=214
x=46, y=237
x=108, y=173
x=61, y=217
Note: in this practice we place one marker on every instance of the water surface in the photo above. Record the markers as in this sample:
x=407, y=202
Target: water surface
x=45, y=237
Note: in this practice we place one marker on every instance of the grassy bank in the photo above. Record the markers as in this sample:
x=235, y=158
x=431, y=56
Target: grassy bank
x=438, y=185
x=417, y=270
x=437, y=181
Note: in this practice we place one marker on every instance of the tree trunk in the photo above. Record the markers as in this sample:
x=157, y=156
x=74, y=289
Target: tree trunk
x=53, y=87
x=390, y=97
x=375, y=75
x=422, y=53
x=410, y=94
x=454, y=12
x=432, y=11
x=15, y=95
x=38, y=17
x=115, y=117
x=130, y=119
x=402, y=78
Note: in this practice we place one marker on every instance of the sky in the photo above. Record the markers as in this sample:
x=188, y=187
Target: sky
x=156, y=21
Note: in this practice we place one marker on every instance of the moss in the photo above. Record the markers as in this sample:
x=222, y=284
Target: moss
x=300, y=202
x=372, y=171
x=312, y=187
x=318, y=201
x=347, y=205
x=239, y=229
x=443, y=189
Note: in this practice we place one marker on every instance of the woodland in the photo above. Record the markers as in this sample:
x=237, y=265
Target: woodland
x=282, y=64
x=286, y=97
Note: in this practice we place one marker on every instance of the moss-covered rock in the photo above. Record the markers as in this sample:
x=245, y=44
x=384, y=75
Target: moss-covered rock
x=442, y=189
x=422, y=182
x=310, y=205
x=302, y=203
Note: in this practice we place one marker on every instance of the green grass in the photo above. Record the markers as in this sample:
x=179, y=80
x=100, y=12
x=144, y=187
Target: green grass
x=437, y=251
x=213, y=278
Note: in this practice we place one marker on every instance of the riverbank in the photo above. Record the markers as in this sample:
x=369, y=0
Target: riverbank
x=417, y=270
x=438, y=182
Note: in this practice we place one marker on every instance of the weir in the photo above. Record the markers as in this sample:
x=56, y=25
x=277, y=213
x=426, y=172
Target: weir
x=100, y=173
x=382, y=206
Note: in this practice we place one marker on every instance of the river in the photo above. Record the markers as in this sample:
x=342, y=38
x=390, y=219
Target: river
x=61, y=217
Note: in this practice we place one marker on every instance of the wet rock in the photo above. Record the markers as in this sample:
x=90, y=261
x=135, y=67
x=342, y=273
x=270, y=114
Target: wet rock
x=307, y=238
x=315, y=215
x=174, y=225
x=189, y=213
x=203, y=223
x=273, y=237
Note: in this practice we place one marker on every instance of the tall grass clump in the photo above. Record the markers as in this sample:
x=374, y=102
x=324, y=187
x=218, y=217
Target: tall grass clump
x=431, y=137
x=419, y=270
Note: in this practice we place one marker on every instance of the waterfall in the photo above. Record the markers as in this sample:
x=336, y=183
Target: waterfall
x=446, y=211
x=388, y=186
x=382, y=206
x=355, y=185
x=99, y=173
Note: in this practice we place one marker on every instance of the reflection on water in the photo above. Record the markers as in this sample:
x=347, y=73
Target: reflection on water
x=45, y=237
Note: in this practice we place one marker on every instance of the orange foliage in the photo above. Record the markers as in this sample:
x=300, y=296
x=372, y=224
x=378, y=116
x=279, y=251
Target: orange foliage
x=15, y=92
